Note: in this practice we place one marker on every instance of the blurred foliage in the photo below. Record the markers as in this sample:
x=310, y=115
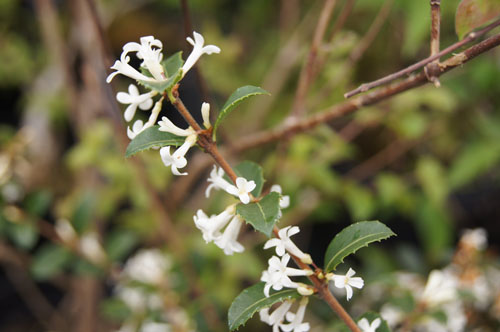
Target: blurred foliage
x=446, y=175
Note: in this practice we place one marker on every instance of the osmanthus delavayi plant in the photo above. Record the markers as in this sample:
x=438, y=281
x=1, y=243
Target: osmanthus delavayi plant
x=280, y=300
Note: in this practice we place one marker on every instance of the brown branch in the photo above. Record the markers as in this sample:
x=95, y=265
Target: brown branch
x=470, y=37
x=433, y=68
x=356, y=53
x=372, y=32
x=308, y=69
x=342, y=18
x=352, y=105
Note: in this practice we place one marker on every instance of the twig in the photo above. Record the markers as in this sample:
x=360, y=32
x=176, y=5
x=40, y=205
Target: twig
x=356, y=53
x=308, y=69
x=372, y=32
x=342, y=18
x=433, y=68
x=352, y=105
x=470, y=37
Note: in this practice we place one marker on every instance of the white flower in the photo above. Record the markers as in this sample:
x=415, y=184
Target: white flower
x=167, y=126
x=198, y=51
x=284, y=200
x=392, y=315
x=205, y=114
x=147, y=266
x=228, y=241
x=278, y=315
x=278, y=274
x=134, y=298
x=284, y=243
x=151, y=60
x=177, y=159
x=65, y=231
x=365, y=326
x=440, y=288
x=296, y=320
x=211, y=226
x=143, y=101
x=137, y=128
x=217, y=180
x=475, y=238
x=242, y=190
x=92, y=249
x=150, y=326
x=346, y=281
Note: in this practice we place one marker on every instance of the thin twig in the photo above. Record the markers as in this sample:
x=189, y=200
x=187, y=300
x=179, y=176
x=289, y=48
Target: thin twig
x=432, y=68
x=470, y=37
x=342, y=18
x=308, y=69
x=355, y=54
x=372, y=32
x=352, y=105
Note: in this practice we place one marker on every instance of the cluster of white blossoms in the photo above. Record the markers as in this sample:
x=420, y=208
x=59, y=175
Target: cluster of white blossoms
x=212, y=227
x=149, y=51
x=143, y=288
x=444, y=290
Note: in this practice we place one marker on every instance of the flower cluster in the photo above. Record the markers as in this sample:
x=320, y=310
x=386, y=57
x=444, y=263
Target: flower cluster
x=152, y=71
x=144, y=289
x=282, y=318
x=211, y=227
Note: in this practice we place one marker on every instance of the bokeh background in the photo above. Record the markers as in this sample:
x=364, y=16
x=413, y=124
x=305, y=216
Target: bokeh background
x=426, y=162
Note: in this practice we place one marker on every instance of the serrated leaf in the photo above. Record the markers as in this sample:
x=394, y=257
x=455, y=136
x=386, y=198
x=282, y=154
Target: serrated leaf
x=234, y=100
x=352, y=238
x=173, y=70
x=251, y=171
x=472, y=14
x=151, y=138
x=251, y=300
x=262, y=215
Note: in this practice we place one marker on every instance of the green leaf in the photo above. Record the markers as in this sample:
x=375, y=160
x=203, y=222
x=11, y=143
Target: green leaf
x=151, y=138
x=352, y=238
x=24, y=235
x=115, y=309
x=472, y=14
x=173, y=70
x=49, y=260
x=83, y=212
x=261, y=215
x=120, y=243
x=234, y=100
x=251, y=171
x=252, y=300
x=173, y=63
